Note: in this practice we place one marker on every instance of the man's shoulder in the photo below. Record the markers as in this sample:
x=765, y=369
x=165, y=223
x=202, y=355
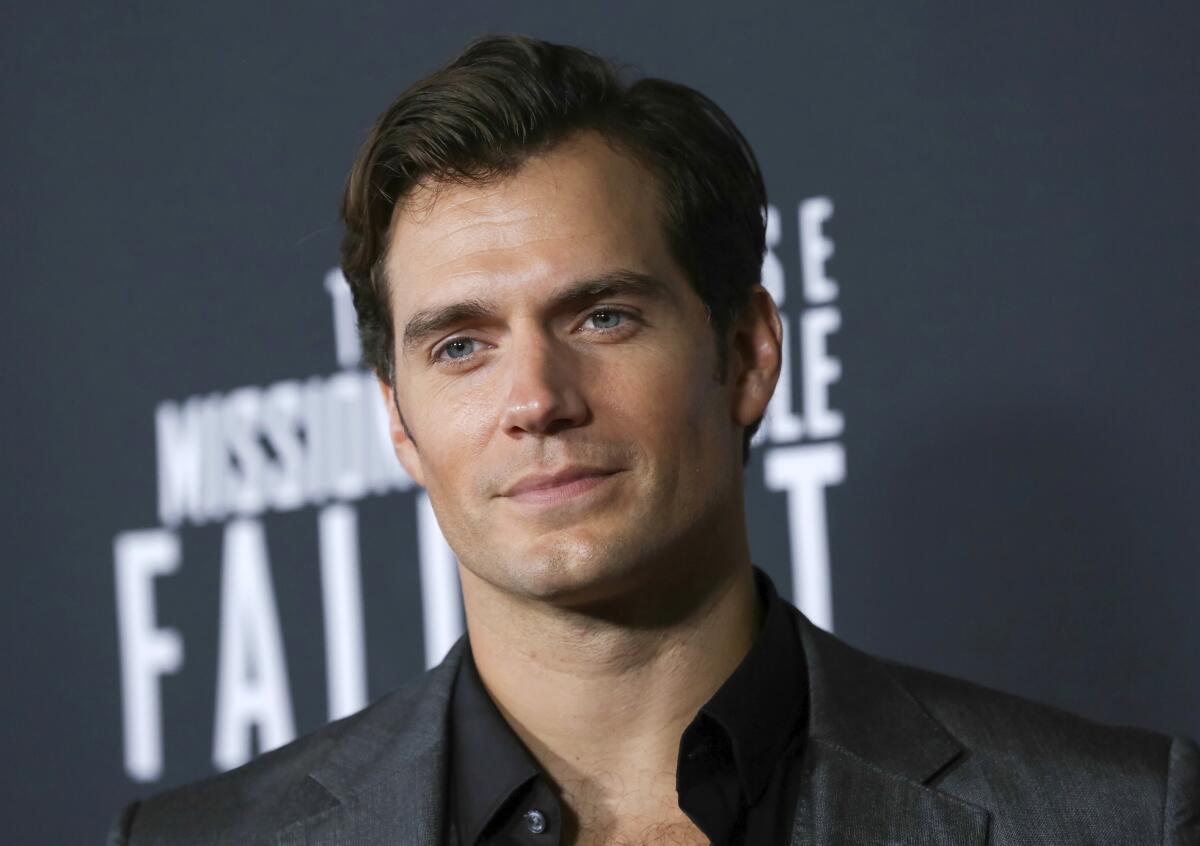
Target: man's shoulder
x=251, y=803
x=1024, y=756
x=1042, y=774
x=244, y=804
x=992, y=723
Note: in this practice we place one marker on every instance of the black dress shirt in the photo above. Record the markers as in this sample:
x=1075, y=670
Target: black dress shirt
x=737, y=776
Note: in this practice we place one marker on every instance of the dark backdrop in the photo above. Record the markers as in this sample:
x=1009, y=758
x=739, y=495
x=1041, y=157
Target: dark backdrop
x=1007, y=435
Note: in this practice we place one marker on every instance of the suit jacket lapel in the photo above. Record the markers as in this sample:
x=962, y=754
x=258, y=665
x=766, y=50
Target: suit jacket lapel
x=386, y=782
x=396, y=808
x=871, y=755
x=846, y=800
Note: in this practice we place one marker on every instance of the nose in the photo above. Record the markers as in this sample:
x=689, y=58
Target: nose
x=543, y=396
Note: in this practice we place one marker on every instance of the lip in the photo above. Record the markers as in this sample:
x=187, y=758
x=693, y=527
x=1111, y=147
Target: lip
x=549, y=488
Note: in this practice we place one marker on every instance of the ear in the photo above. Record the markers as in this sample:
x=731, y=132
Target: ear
x=402, y=442
x=756, y=356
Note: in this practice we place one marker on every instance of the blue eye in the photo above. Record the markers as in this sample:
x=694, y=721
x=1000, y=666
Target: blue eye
x=606, y=319
x=459, y=348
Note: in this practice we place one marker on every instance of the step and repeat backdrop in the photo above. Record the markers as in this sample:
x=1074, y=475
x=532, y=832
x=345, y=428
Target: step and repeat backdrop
x=982, y=457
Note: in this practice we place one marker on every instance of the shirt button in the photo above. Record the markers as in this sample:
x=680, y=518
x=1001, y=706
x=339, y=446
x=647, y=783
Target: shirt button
x=535, y=821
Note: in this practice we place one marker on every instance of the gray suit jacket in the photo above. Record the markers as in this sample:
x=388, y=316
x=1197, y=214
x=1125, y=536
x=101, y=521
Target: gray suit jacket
x=894, y=757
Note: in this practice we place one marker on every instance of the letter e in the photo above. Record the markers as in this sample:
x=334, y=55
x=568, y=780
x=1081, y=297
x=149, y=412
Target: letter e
x=816, y=249
x=820, y=371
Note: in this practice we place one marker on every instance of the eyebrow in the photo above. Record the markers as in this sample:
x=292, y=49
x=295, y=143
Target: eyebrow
x=618, y=283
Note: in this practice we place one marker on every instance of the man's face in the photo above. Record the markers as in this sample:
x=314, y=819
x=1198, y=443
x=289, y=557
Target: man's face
x=557, y=374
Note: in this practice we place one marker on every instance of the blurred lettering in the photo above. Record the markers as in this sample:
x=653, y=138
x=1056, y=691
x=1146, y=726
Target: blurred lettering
x=804, y=472
x=816, y=249
x=279, y=448
x=147, y=652
x=341, y=595
x=252, y=679
x=441, y=597
x=820, y=371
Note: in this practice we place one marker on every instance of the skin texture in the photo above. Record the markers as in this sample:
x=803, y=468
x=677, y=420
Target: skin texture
x=602, y=615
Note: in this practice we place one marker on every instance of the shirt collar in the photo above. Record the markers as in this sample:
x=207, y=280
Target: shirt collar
x=489, y=763
x=762, y=703
x=759, y=707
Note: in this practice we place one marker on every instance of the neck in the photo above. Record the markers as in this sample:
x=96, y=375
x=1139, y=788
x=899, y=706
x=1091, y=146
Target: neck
x=601, y=700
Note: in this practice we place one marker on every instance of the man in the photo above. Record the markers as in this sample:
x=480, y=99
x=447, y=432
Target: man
x=556, y=279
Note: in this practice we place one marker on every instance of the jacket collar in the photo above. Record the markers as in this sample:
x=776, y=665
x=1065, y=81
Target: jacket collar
x=384, y=779
x=871, y=755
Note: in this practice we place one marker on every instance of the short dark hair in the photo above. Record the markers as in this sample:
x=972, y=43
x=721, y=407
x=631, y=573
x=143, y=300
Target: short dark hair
x=507, y=98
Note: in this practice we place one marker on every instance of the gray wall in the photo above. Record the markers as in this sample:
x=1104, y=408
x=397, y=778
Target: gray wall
x=1014, y=219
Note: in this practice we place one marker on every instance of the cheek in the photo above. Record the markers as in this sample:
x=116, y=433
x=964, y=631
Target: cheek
x=670, y=403
x=451, y=428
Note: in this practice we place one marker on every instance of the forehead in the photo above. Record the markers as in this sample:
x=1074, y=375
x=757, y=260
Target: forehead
x=582, y=208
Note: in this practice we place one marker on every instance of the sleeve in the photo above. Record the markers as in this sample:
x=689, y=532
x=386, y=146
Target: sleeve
x=1181, y=810
x=119, y=833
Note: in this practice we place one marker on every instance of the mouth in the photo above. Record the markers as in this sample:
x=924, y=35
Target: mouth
x=554, y=488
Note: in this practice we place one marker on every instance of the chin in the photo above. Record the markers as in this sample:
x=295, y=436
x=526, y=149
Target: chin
x=570, y=571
